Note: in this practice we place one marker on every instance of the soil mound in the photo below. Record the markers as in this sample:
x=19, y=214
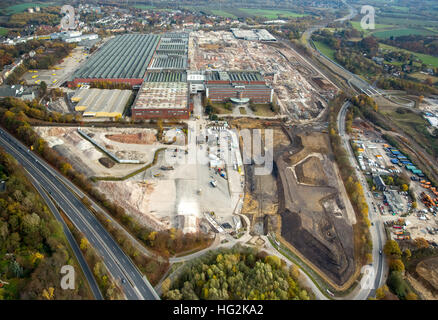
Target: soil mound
x=107, y=162
x=428, y=272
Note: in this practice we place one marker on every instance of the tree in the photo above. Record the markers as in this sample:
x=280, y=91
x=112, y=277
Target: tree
x=396, y=265
x=391, y=249
x=165, y=286
x=84, y=244
x=407, y=253
x=42, y=89
x=382, y=292
x=404, y=187
x=411, y=296
x=421, y=243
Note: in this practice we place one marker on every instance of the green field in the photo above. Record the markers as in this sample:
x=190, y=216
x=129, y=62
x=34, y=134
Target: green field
x=325, y=49
x=356, y=25
x=402, y=32
x=23, y=6
x=272, y=14
x=427, y=59
x=415, y=126
x=407, y=22
x=149, y=7
x=222, y=13
x=144, y=7
x=3, y=31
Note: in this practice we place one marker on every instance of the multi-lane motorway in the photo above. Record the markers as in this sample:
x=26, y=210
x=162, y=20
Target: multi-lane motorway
x=75, y=247
x=135, y=286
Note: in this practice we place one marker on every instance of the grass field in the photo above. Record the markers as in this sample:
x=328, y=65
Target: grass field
x=325, y=49
x=149, y=7
x=415, y=126
x=222, y=13
x=407, y=22
x=422, y=77
x=219, y=108
x=378, y=26
x=143, y=6
x=3, y=31
x=272, y=14
x=23, y=6
x=427, y=59
x=402, y=32
x=263, y=110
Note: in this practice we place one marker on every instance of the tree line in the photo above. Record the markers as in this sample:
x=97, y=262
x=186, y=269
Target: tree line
x=362, y=236
x=237, y=274
x=33, y=247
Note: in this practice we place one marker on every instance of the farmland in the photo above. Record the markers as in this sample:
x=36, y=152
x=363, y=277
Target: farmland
x=223, y=13
x=3, y=31
x=427, y=59
x=402, y=32
x=23, y=6
x=272, y=14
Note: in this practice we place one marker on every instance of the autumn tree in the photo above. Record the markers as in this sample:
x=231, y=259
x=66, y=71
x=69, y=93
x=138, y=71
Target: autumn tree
x=421, y=243
x=396, y=265
x=392, y=249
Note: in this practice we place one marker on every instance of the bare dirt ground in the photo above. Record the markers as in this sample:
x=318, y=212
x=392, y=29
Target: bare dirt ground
x=136, y=138
x=126, y=143
x=316, y=218
x=308, y=172
x=427, y=278
x=261, y=192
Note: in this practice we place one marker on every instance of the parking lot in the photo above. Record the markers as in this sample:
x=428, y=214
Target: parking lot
x=60, y=73
x=377, y=158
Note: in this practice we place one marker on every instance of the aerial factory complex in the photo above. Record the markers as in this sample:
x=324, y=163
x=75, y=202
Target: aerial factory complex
x=179, y=150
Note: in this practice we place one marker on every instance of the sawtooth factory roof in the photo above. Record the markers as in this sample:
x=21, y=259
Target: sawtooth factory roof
x=126, y=57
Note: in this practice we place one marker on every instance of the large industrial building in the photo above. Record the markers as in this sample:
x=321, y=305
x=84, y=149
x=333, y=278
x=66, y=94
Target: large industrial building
x=101, y=102
x=122, y=59
x=159, y=64
x=164, y=92
x=162, y=99
x=237, y=86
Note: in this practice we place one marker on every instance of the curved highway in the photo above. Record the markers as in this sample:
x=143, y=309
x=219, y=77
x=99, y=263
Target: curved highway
x=135, y=286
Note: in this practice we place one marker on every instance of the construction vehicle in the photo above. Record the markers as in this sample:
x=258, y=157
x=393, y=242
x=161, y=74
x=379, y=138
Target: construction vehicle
x=427, y=200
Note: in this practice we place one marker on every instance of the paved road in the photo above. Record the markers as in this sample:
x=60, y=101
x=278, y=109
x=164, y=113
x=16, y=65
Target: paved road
x=376, y=277
x=136, y=287
x=76, y=250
